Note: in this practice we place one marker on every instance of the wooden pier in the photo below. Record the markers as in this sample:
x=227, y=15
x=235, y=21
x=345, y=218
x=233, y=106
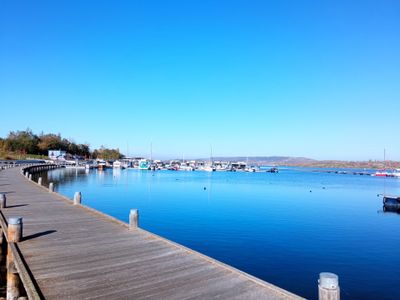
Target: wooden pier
x=70, y=251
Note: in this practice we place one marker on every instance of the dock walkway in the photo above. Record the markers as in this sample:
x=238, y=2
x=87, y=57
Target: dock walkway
x=74, y=252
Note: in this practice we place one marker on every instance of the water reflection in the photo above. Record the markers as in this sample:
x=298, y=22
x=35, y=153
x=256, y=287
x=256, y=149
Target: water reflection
x=269, y=225
x=63, y=175
x=391, y=210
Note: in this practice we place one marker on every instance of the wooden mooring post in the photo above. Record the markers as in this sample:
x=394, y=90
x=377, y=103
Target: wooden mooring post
x=51, y=187
x=328, y=286
x=3, y=201
x=14, y=235
x=133, y=219
x=77, y=198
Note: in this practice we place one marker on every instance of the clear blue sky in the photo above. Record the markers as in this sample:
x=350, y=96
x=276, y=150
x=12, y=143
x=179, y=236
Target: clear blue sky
x=319, y=79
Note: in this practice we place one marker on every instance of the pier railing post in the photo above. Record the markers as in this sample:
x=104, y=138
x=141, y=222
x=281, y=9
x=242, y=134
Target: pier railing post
x=77, y=198
x=3, y=201
x=14, y=235
x=133, y=219
x=14, y=231
x=328, y=286
x=51, y=187
x=39, y=181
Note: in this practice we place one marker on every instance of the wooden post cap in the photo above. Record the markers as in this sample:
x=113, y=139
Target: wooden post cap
x=328, y=280
x=328, y=286
x=14, y=221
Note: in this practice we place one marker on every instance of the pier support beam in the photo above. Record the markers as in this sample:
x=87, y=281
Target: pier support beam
x=133, y=219
x=14, y=234
x=39, y=181
x=328, y=286
x=51, y=187
x=77, y=198
x=13, y=283
x=3, y=201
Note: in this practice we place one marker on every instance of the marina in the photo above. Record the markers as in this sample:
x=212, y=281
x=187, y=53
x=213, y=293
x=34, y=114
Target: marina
x=200, y=150
x=260, y=222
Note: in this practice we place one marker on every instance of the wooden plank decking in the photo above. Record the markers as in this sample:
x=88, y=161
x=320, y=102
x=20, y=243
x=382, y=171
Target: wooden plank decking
x=77, y=253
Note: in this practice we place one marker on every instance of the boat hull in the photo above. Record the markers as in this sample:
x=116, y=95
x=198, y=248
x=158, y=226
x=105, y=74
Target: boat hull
x=391, y=203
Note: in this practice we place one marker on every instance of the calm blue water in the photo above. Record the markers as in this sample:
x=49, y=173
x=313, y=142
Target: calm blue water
x=285, y=228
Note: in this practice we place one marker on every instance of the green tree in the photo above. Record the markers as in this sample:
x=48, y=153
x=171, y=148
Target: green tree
x=22, y=141
x=50, y=142
x=107, y=154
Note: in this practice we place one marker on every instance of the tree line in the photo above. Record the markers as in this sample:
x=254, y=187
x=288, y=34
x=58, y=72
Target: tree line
x=26, y=142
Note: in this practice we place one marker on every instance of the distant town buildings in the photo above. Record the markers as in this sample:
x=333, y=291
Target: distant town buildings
x=57, y=154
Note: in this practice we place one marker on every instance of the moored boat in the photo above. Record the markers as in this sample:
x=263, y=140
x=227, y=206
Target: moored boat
x=208, y=169
x=381, y=174
x=273, y=170
x=396, y=173
x=144, y=164
x=391, y=203
x=118, y=164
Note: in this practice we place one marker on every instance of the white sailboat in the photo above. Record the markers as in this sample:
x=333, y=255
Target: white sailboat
x=210, y=166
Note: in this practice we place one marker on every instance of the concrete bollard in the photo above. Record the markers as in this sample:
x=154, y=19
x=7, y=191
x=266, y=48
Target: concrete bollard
x=39, y=181
x=30, y=177
x=51, y=187
x=77, y=198
x=26, y=174
x=133, y=219
x=328, y=286
x=3, y=201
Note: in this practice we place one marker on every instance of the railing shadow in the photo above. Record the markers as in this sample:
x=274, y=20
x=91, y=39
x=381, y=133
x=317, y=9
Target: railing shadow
x=16, y=205
x=38, y=234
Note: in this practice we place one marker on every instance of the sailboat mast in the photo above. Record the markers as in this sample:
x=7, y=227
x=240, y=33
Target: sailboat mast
x=384, y=158
x=211, y=156
x=151, y=151
x=384, y=168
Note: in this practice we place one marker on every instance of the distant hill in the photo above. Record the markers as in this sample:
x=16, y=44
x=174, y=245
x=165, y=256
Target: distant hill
x=268, y=160
x=308, y=162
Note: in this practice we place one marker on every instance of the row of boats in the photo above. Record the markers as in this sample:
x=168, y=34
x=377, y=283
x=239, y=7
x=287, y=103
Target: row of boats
x=145, y=164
